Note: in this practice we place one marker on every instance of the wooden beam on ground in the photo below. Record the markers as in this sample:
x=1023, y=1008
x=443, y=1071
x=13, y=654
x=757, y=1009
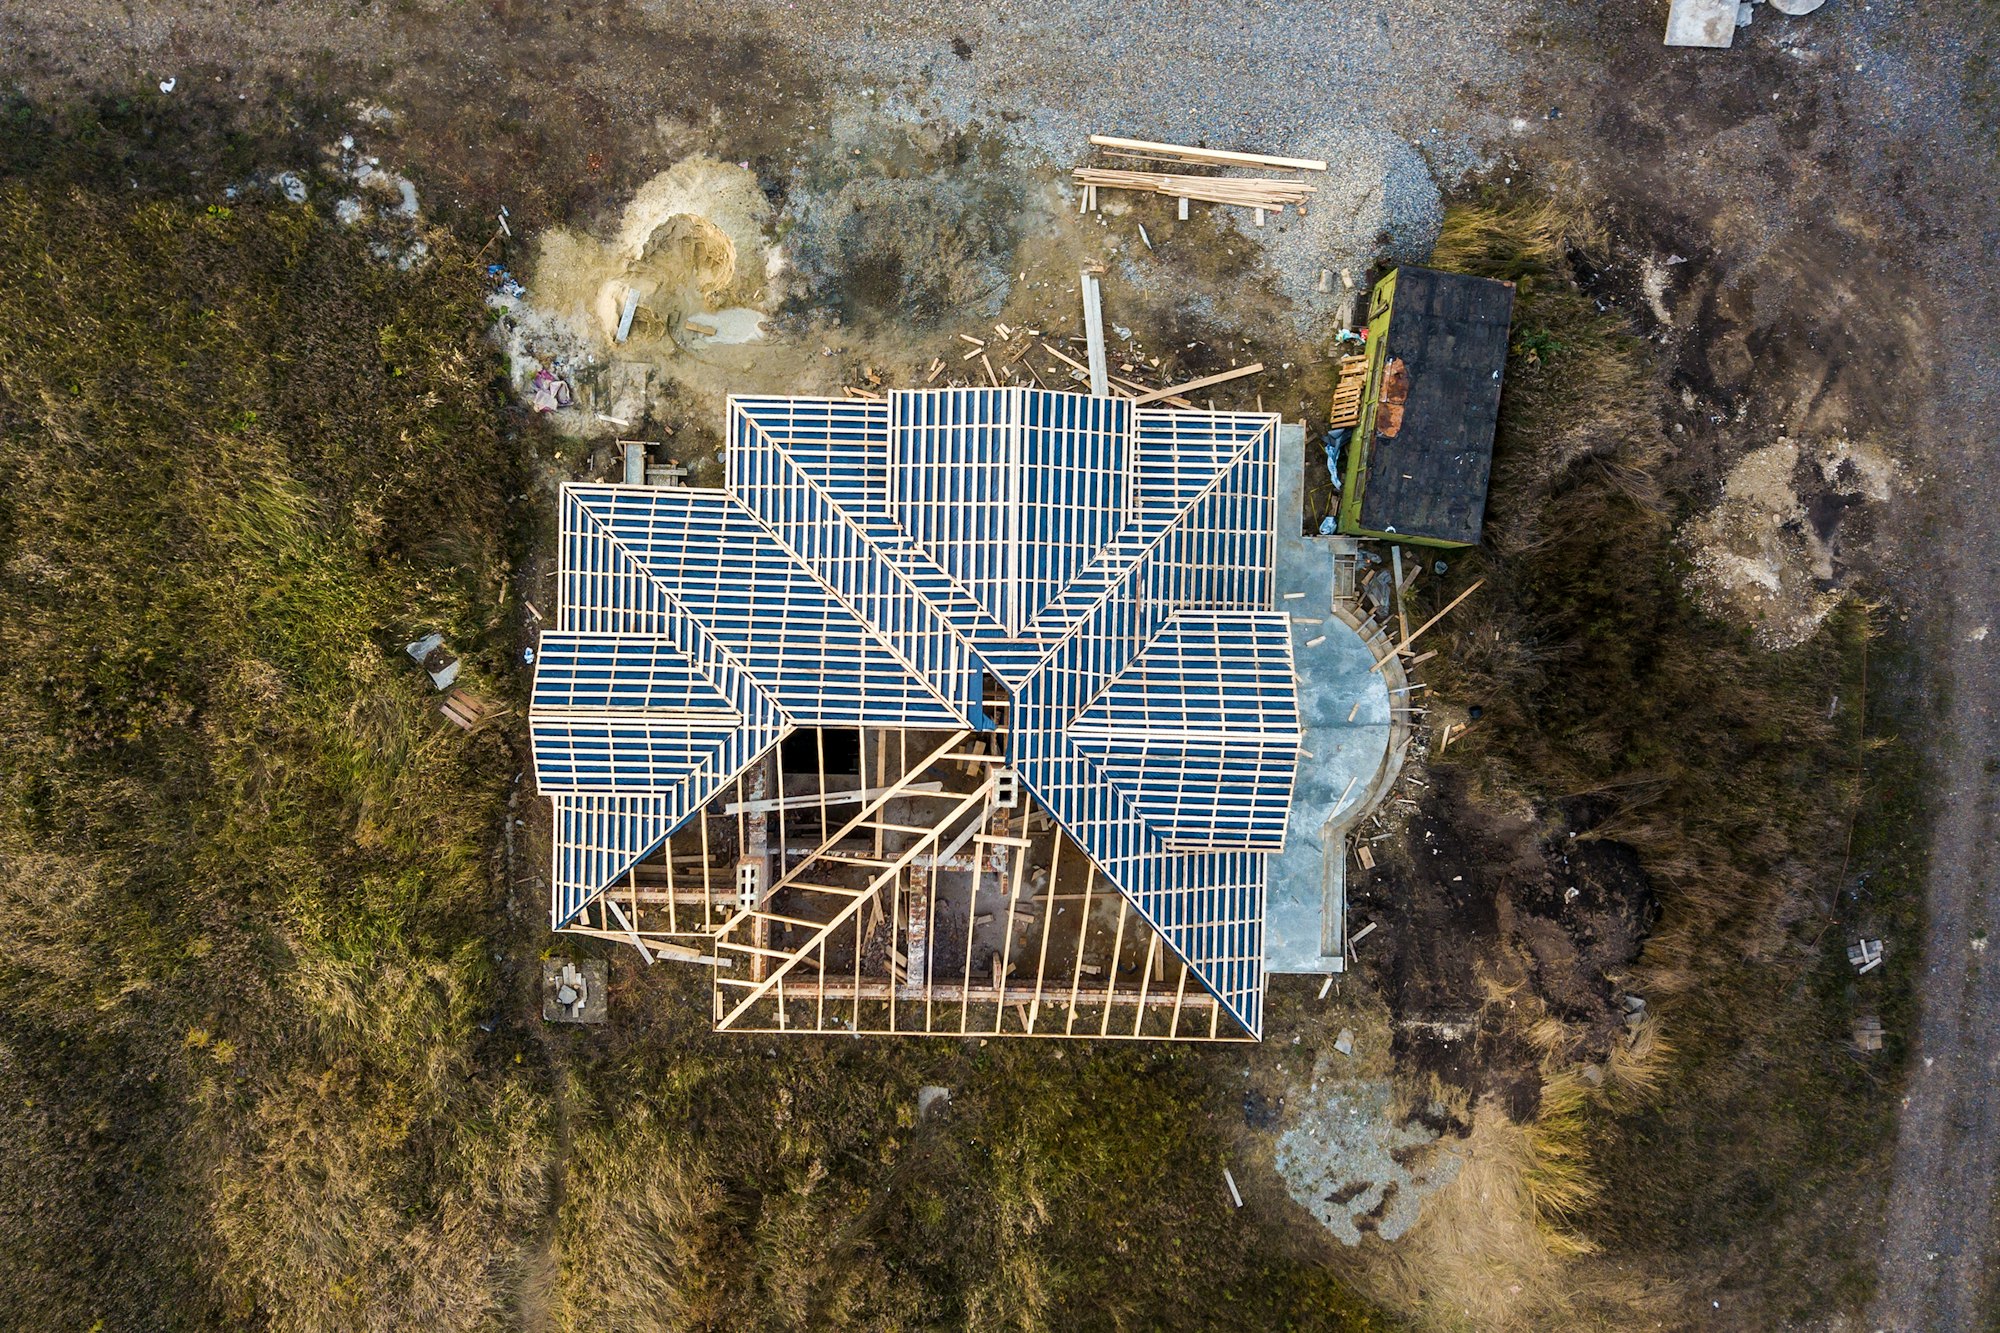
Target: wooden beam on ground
x=1402, y=607
x=1188, y=153
x=1253, y=368
x=1404, y=646
x=1093, y=332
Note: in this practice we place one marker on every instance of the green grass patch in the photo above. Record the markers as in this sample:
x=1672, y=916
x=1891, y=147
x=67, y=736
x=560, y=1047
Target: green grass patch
x=245, y=874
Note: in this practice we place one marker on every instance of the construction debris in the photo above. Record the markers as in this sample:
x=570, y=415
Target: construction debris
x=1404, y=646
x=574, y=992
x=468, y=711
x=1710, y=23
x=430, y=653
x=1866, y=955
x=1347, y=392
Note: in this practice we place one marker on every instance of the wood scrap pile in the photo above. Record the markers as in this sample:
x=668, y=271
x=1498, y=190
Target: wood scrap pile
x=1347, y=393
x=1262, y=193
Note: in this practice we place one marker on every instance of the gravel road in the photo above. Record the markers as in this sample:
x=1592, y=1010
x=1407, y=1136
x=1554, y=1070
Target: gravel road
x=1937, y=1258
x=1936, y=1268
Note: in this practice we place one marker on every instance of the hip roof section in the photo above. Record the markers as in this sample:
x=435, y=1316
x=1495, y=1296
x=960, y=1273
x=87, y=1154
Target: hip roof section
x=868, y=563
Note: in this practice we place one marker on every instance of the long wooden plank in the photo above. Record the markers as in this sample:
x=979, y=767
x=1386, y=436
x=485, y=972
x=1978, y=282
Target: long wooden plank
x=1156, y=395
x=1093, y=330
x=1404, y=646
x=1188, y=153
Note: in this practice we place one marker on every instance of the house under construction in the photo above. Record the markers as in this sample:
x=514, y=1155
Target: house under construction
x=967, y=711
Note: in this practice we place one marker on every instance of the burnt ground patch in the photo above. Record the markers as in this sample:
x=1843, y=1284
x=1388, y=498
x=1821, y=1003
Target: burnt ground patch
x=1477, y=912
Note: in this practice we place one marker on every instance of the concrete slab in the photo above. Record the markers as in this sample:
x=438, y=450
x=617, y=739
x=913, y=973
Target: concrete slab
x=1344, y=716
x=1701, y=23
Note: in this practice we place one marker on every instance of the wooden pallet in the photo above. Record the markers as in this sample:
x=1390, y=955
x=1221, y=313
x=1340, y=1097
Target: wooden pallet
x=1346, y=410
x=466, y=710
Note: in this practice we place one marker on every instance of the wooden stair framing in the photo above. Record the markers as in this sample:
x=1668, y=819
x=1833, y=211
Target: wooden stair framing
x=770, y=967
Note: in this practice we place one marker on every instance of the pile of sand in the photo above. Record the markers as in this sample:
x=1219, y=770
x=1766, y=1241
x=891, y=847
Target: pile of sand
x=688, y=247
x=691, y=241
x=1764, y=555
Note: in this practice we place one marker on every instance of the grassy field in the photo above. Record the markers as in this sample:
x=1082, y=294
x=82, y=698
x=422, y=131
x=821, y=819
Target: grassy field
x=267, y=1019
x=268, y=1016
x=1767, y=794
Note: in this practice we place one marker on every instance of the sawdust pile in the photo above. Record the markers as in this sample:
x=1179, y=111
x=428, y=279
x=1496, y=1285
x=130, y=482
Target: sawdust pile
x=1768, y=554
x=691, y=241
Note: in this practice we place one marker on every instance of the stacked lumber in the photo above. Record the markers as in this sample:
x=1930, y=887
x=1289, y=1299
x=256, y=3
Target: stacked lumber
x=1243, y=191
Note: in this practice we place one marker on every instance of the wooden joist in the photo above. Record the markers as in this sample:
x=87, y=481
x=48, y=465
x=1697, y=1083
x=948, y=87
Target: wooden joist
x=1173, y=390
x=1187, y=153
x=1246, y=192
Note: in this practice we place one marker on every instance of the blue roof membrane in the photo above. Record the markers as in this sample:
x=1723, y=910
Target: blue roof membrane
x=870, y=560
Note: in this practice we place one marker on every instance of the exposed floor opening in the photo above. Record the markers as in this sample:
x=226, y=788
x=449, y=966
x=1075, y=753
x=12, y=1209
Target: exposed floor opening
x=936, y=899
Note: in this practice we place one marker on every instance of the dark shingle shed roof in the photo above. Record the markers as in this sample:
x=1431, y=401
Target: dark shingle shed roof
x=1429, y=479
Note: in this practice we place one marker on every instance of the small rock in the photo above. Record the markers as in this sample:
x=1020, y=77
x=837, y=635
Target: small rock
x=1344, y=1043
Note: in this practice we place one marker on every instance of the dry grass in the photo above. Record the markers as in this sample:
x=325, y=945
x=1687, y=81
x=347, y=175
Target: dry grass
x=1485, y=1257
x=1612, y=702
x=1578, y=389
x=250, y=876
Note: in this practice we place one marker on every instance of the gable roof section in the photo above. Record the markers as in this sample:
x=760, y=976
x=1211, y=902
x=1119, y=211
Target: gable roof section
x=870, y=560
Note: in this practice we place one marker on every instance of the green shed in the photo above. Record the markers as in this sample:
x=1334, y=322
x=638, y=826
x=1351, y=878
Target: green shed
x=1422, y=452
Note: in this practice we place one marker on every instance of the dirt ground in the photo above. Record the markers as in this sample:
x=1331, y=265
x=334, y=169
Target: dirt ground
x=1803, y=225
